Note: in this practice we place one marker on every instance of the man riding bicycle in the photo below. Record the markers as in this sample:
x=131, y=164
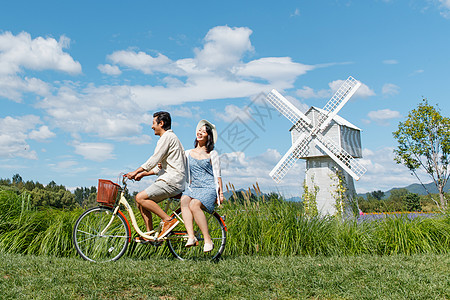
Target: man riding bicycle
x=170, y=154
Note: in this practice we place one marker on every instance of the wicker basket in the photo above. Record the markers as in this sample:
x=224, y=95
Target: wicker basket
x=107, y=192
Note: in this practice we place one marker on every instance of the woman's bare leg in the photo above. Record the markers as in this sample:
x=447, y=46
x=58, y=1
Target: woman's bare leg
x=187, y=215
x=196, y=208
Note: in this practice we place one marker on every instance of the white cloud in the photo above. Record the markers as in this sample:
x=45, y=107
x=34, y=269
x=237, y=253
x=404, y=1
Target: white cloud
x=445, y=3
x=244, y=171
x=140, y=61
x=390, y=89
x=383, y=172
x=390, y=62
x=186, y=112
x=117, y=112
x=224, y=47
x=95, y=151
x=445, y=8
x=307, y=92
x=363, y=92
x=42, y=134
x=231, y=112
x=109, y=70
x=12, y=87
x=276, y=70
x=383, y=116
x=14, y=133
x=107, y=112
x=416, y=72
x=22, y=52
x=295, y=13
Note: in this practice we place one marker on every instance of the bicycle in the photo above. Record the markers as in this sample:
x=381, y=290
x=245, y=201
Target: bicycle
x=103, y=233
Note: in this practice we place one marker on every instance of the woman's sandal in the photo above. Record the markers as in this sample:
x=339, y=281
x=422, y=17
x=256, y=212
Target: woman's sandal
x=191, y=242
x=208, y=247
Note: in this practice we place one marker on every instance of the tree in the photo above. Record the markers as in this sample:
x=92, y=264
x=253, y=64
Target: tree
x=424, y=144
x=412, y=202
x=378, y=194
x=16, y=179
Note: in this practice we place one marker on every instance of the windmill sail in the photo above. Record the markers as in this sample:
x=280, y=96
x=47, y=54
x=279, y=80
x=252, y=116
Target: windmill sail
x=334, y=105
x=341, y=157
x=297, y=150
x=286, y=108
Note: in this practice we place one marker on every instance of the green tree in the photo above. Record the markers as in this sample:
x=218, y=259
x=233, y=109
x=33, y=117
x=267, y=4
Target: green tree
x=16, y=179
x=424, y=143
x=412, y=202
x=378, y=194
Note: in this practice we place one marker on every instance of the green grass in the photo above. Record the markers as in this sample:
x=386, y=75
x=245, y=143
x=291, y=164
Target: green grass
x=243, y=277
x=263, y=228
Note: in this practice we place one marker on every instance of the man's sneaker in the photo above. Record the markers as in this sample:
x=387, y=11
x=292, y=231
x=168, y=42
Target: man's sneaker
x=167, y=227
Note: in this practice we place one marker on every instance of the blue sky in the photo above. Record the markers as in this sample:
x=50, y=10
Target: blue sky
x=80, y=80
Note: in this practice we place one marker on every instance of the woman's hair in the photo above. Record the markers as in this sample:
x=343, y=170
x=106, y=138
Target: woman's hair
x=165, y=117
x=210, y=141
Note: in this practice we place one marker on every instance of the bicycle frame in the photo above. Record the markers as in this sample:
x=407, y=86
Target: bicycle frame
x=103, y=233
x=124, y=202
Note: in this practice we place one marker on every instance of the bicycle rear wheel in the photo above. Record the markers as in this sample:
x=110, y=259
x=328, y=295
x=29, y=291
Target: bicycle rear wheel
x=93, y=246
x=178, y=238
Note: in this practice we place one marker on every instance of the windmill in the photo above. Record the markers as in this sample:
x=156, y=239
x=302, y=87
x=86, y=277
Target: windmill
x=324, y=139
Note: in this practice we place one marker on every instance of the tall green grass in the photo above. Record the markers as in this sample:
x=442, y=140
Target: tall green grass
x=265, y=227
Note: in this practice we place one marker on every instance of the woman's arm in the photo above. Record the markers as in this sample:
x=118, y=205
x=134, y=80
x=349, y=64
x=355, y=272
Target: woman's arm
x=221, y=198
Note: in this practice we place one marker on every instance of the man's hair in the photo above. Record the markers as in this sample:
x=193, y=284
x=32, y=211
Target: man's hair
x=165, y=117
x=210, y=142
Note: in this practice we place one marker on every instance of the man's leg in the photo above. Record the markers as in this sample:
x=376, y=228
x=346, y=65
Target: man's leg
x=146, y=207
x=148, y=200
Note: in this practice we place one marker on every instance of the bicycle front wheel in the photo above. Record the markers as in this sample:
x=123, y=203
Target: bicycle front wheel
x=94, y=246
x=178, y=238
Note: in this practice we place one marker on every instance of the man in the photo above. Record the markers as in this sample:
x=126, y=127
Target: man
x=169, y=153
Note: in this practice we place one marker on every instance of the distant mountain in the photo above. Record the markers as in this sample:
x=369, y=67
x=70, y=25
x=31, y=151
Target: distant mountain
x=416, y=188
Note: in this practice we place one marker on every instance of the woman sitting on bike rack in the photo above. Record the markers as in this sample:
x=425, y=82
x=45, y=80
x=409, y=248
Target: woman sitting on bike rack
x=204, y=183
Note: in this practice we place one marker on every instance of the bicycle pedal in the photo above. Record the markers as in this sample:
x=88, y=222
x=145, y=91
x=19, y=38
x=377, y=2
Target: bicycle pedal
x=156, y=243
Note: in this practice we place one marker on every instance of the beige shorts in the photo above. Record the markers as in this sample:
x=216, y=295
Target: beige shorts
x=160, y=191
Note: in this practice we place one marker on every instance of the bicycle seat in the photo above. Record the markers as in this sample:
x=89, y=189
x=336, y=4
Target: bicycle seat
x=177, y=196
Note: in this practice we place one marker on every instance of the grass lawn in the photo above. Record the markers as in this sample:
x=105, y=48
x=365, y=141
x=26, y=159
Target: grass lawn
x=248, y=277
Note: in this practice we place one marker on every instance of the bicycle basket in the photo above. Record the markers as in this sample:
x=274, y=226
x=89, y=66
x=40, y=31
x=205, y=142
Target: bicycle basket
x=107, y=192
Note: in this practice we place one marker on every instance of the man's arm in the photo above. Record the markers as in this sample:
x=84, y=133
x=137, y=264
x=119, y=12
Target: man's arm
x=140, y=172
x=162, y=147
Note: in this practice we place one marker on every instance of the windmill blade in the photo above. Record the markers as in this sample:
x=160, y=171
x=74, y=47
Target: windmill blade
x=286, y=108
x=341, y=157
x=297, y=150
x=334, y=105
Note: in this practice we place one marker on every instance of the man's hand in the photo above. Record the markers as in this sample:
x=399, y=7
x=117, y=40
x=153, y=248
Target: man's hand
x=139, y=176
x=131, y=175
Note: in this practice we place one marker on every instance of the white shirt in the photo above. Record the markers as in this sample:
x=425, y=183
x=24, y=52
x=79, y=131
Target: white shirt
x=169, y=151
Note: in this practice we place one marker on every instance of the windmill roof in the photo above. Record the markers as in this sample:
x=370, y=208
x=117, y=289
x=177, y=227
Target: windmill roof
x=338, y=119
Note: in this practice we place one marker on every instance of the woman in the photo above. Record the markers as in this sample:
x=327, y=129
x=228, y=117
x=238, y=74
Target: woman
x=204, y=189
